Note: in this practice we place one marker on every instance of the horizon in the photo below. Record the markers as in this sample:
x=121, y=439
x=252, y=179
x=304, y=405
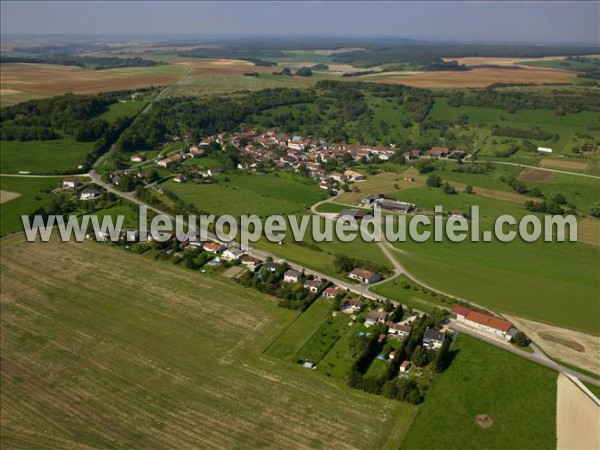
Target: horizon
x=567, y=23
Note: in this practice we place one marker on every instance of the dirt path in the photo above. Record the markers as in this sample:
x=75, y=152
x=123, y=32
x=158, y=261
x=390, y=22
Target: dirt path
x=577, y=415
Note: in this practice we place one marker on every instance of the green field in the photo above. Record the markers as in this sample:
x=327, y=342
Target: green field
x=518, y=395
x=299, y=332
x=92, y=357
x=281, y=193
x=120, y=110
x=43, y=157
x=33, y=196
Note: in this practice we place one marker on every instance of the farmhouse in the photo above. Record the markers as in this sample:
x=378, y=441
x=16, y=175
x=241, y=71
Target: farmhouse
x=332, y=292
x=375, y=317
x=484, y=322
x=351, y=305
x=292, y=276
x=433, y=339
x=213, y=247
x=313, y=285
x=89, y=194
x=71, y=182
x=352, y=175
x=398, y=329
x=364, y=276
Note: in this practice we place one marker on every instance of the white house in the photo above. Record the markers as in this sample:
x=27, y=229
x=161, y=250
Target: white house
x=138, y=158
x=71, y=182
x=313, y=285
x=232, y=254
x=364, y=276
x=292, y=276
x=375, y=317
x=89, y=194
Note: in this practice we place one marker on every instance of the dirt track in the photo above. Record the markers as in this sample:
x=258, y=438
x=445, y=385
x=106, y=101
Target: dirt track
x=577, y=416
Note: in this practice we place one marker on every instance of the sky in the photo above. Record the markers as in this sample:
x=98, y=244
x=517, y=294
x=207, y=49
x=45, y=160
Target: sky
x=518, y=21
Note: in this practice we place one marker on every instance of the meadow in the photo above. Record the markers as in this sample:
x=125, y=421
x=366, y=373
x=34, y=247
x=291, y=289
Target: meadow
x=33, y=196
x=43, y=157
x=518, y=395
x=91, y=357
x=120, y=110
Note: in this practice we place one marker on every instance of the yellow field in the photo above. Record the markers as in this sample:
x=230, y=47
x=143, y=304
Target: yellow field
x=588, y=231
x=6, y=196
x=104, y=348
x=564, y=164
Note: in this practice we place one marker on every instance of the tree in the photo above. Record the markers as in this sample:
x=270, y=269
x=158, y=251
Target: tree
x=424, y=166
x=442, y=358
x=434, y=181
x=560, y=199
x=419, y=356
x=304, y=72
x=469, y=189
x=521, y=339
x=397, y=314
x=448, y=188
x=595, y=210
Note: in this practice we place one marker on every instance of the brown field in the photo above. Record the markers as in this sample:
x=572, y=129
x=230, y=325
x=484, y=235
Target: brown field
x=564, y=164
x=577, y=415
x=588, y=231
x=494, y=61
x=586, y=359
x=214, y=67
x=483, y=77
x=102, y=348
x=21, y=82
x=7, y=196
x=536, y=175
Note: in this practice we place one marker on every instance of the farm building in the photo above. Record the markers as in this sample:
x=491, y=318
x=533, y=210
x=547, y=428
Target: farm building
x=484, y=322
x=353, y=214
x=544, y=149
x=394, y=205
x=364, y=276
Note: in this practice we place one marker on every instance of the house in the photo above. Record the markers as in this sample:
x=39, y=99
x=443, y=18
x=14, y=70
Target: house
x=313, y=285
x=364, y=276
x=179, y=178
x=250, y=262
x=398, y=329
x=213, y=247
x=433, y=339
x=292, y=276
x=405, y=366
x=437, y=152
x=351, y=305
x=324, y=185
x=270, y=267
x=71, y=182
x=170, y=161
x=456, y=214
x=352, y=175
x=89, y=194
x=214, y=172
x=138, y=158
x=375, y=317
x=232, y=254
x=332, y=292
x=132, y=235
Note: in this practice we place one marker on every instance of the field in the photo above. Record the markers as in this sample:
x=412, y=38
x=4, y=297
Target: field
x=263, y=195
x=578, y=421
x=120, y=110
x=46, y=157
x=93, y=357
x=481, y=77
x=518, y=395
x=564, y=164
x=32, y=196
x=22, y=82
x=6, y=196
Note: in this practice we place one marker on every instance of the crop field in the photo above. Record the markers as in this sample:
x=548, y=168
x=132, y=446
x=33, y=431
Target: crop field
x=32, y=196
x=93, y=357
x=380, y=183
x=299, y=332
x=263, y=195
x=481, y=77
x=22, y=82
x=564, y=164
x=43, y=157
x=518, y=395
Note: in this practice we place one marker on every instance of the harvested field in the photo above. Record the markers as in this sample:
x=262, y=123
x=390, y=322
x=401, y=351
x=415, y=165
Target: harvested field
x=6, y=196
x=20, y=82
x=536, y=175
x=588, y=231
x=564, y=164
x=380, y=184
x=495, y=61
x=123, y=352
x=483, y=77
x=562, y=343
x=223, y=67
x=577, y=415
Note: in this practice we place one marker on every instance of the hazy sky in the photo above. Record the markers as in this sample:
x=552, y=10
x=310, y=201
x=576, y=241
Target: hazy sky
x=540, y=21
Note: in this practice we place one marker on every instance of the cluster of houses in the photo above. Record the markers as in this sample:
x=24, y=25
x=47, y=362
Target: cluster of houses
x=85, y=194
x=484, y=322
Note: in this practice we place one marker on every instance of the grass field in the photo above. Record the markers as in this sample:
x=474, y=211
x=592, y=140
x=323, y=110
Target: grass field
x=55, y=156
x=281, y=193
x=32, y=197
x=95, y=357
x=518, y=395
x=299, y=332
x=120, y=110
